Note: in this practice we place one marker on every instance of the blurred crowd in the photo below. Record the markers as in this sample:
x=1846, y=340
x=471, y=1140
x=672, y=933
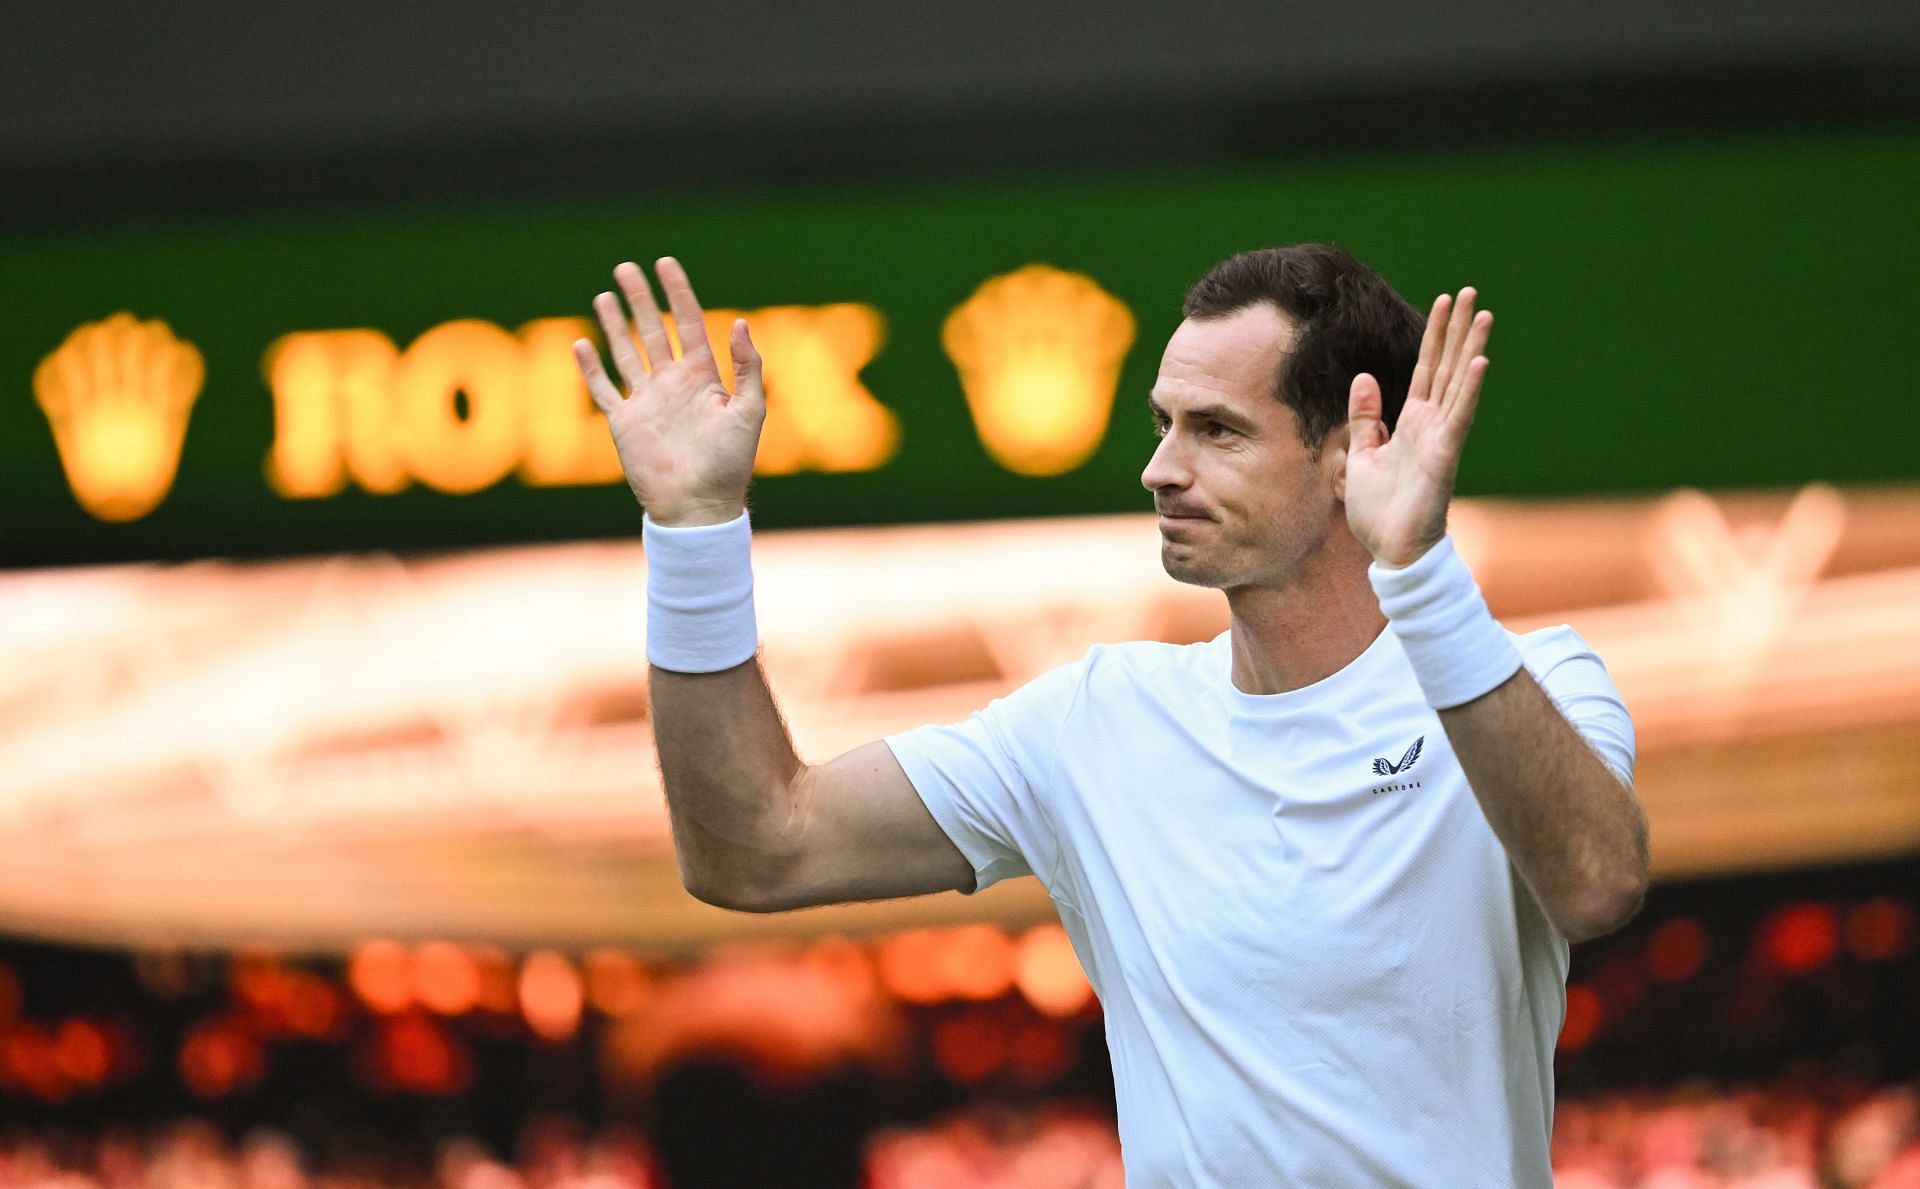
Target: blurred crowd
x=895, y=1062
x=1696, y=1137
x=1692, y=1137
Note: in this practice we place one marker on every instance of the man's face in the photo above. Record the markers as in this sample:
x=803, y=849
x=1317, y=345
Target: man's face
x=1242, y=501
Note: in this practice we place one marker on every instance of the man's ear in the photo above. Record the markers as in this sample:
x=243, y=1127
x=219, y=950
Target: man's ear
x=1333, y=461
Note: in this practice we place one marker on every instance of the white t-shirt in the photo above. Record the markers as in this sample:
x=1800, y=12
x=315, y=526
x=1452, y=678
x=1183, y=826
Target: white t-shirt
x=1318, y=965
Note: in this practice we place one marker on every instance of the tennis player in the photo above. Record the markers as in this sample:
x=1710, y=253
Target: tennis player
x=1322, y=870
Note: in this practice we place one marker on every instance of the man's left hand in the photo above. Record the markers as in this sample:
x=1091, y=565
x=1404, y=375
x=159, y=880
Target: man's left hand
x=1398, y=487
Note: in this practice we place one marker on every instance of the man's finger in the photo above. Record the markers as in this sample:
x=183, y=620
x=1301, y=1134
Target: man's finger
x=605, y=396
x=613, y=324
x=1422, y=380
x=646, y=313
x=1450, y=355
x=688, y=322
x=1461, y=408
x=1472, y=351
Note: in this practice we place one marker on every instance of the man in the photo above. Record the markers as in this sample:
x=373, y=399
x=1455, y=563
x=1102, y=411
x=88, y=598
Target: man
x=1322, y=870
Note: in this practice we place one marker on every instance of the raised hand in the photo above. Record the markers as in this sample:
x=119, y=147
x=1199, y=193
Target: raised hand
x=686, y=444
x=1398, y=487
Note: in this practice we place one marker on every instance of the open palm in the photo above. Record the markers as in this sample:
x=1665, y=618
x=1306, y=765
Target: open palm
x=1398, y=486
x=686, y=444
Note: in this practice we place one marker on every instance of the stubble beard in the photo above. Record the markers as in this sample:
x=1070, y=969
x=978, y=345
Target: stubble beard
x=1192, y=569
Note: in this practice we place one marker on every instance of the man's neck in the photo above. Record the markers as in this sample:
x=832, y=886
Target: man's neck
x=1287, y=638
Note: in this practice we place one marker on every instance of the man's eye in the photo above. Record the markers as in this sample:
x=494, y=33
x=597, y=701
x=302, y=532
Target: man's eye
x=1159, y=427
x=1217, y=430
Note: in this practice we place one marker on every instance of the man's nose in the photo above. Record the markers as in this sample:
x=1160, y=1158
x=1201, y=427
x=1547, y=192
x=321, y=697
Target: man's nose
x=1165, y=468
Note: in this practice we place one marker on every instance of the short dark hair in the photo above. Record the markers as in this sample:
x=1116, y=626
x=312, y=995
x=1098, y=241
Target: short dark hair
x=1348, y=320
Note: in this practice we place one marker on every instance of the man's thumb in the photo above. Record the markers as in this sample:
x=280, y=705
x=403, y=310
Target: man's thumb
x=746, y=362
x=1365, y=429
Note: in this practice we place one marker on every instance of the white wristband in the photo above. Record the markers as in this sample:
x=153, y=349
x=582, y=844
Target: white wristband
x=1457, y=649
x=699, y=596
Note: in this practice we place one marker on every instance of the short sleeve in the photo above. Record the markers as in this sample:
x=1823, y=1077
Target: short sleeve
x=1577, y=681
x=985, y=780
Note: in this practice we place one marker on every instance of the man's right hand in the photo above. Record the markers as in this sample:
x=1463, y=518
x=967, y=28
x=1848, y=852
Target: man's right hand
x=686, y=443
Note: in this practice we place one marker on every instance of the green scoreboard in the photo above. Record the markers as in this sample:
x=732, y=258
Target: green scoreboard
x=1705, y=312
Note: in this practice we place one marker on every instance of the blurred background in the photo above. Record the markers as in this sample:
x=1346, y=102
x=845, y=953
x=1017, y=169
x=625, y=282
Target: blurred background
x=334, y=849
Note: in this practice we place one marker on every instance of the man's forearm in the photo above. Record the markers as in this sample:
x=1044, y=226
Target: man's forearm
x=728, y=765
x=1574, y=830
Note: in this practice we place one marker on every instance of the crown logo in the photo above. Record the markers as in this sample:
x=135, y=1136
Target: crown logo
x=117, y=394
x=1039, y=353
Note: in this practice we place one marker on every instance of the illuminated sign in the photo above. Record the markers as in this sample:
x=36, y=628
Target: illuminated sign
x=468, y=403
x=117, y=394
x=1039, y=353
x=412, y=390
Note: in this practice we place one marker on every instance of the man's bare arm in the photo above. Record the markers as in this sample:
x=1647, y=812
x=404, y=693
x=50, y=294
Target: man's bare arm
x=1573, y=829
x=756, y=829
x=753, y=827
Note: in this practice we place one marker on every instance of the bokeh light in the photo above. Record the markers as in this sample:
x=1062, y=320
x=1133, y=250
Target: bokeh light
x=1585, y=1013
x=617, y=984
x=1049, y=973
x=1800, y=938
x=911, y=966
x=445, y=978
x=550, y=995
x=381, y=974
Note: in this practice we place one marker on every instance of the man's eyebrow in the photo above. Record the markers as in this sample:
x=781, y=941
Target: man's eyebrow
x=1205, y=413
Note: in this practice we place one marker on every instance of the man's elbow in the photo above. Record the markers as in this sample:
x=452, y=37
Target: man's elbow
x=1604, y=910
x=734, y=892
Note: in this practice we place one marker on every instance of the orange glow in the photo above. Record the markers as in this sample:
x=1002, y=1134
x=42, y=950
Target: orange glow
x=848, y=965
x=910, y=966
x=499, y=982
x=970, y=1047
x=819, y=416
x=1585, y=1013
x=617, y=984
x=1877, y=931
x=788, y=1019
x=976, y=962
x=381, y=975
x=332, y=399
x=550, y=995
x=1039, y=353
x=117, y=394
x=1676, y=950
x=417, y=1054
x=567, y=438
x=447, y=451
x=1049, y=974
x=468, y=402
x=256, y=979
x=33, y=1062
x=314, y=1008
x=1801, y=938
x=80, y=1050
x=217, y=1059
x=344, y=725
x=445, y=979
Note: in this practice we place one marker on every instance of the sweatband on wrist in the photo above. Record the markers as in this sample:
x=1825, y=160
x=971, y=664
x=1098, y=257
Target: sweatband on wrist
x=1457, y=649
x=699, y=596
